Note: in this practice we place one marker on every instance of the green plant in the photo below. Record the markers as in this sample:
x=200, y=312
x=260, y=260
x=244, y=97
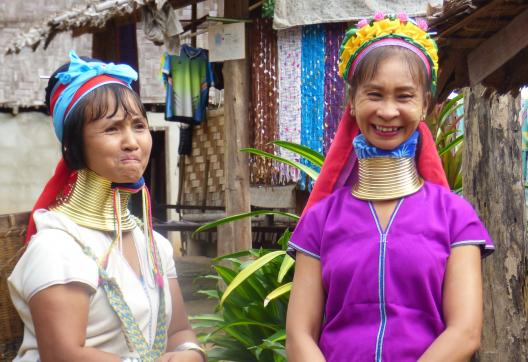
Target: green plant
x=248, y=323
x=250, y=317
x=443, y=122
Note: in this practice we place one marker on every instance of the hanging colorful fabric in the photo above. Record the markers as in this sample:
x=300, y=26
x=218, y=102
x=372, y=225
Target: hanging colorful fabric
x=289, y=58
x=312, y=91
x=264, y=104
x=334, y=85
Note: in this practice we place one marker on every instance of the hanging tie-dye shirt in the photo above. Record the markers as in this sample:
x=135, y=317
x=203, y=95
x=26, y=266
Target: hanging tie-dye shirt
x=187, y=79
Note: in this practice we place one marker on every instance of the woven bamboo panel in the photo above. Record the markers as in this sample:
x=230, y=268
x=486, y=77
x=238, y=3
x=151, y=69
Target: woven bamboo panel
x=204, y=168
x=12, y=234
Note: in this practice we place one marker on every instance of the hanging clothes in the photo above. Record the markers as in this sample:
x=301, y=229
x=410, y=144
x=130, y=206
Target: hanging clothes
x=187, y=79
x=185, y=145
x=312, y=92
x=217, y=75
x=289, y=59
x=264, y=100
x=334, y=85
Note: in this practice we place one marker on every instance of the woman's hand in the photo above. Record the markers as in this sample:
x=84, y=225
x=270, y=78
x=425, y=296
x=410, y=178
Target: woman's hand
x=182, y=356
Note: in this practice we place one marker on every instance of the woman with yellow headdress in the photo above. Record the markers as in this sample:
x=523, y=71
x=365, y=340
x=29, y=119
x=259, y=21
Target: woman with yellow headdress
x=388, y=259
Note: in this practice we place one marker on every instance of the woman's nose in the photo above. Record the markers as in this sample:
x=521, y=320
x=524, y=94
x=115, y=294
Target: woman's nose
x=129, y=139
x=388, y=110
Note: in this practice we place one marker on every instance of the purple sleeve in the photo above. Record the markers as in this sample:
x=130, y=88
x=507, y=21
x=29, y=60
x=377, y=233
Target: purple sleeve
x=467, y=229
x=306, y=237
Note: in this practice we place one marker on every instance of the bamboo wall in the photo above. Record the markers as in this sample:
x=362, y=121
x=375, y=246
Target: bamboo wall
x=199, y=187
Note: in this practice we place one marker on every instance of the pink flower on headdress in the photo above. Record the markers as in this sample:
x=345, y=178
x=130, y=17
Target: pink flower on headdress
x=362, y=23
x=403, y=17
x=379, y=15
x=422, y=24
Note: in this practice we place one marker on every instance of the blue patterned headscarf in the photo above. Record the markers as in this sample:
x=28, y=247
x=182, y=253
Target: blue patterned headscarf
x=406, y=150
x=79, y=73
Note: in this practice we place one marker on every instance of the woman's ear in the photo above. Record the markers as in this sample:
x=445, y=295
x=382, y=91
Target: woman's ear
x=427, y=103
x=352, y=108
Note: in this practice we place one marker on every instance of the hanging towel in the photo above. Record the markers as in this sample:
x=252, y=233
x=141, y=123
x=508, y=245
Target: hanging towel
x=312, y=92
x=289, y=58
x=264, y=100
x=334, y=86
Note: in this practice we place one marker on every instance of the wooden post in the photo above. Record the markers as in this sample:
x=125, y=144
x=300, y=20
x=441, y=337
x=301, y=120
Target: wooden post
x=236, y=236
x=493, y=184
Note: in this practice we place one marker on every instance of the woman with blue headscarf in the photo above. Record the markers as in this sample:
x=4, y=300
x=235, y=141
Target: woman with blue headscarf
x=96, y=283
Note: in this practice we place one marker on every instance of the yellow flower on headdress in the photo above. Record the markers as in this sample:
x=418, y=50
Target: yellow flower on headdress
x=414, y=33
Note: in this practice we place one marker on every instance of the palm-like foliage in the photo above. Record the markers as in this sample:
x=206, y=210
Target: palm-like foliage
x=443, y=123
x=250, y=317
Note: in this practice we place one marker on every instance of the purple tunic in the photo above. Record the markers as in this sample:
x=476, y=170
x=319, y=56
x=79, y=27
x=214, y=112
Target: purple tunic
x=383, y=288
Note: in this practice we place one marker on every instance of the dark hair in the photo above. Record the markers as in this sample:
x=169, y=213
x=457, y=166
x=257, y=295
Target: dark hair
x=368, y=66
x=91, y=107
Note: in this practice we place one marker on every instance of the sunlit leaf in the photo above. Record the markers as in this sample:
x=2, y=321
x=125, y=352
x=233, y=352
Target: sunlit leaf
x=286, y=265
x=307, y=170
x=283, y=289
x=307, y=153
x=244, y=215
x=247, y=272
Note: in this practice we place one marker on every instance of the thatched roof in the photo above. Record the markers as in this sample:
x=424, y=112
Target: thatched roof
x=482, y=41
x=84, y=19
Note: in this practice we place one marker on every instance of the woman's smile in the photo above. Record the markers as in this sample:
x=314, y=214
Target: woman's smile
x=383, y=131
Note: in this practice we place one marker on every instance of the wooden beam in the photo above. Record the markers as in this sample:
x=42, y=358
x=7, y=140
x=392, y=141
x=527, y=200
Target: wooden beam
x=498, y=49
x=178, y=4
x=460, y=43
x=468, y=19
x=236, y=236
x=194, y=16
x=447, y=68
x=493, y=184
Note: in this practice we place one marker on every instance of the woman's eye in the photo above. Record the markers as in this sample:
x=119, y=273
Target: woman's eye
x=374, y=94
x=111, y=129
x=405, y=96
x=141, y=125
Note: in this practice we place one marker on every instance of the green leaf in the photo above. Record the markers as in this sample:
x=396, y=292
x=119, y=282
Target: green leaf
x=307, y=170
x=454, y=143
x=238, y=254
x=247, y=322
x=213, y=294
x=449, y=108
x=278, y=336
x=286, y=265
x=284, y=239
x=246, y=273
x=241, y=337
x=224, y=354
x=283, y=289
x=307, y=153
x=225, y=273
x=244, y=215
x=207, y=317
